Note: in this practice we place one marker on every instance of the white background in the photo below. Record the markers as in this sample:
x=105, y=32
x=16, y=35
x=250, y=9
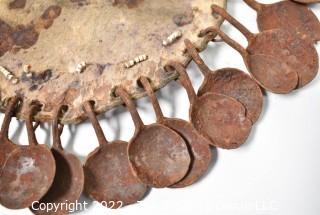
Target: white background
x=275, y=173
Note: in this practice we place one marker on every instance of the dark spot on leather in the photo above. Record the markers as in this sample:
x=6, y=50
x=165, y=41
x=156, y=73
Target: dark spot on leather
x=24, y=78
x=100, y=68
x=25, y=36
x=33, y=87
x=38, y=78
x=183, y=18
x=43, y=77
x=51, y=12
x=17, y=4
x=50, y=15
x=6, y=42
x=80, y=2
x=128, y=3
x=74, y=84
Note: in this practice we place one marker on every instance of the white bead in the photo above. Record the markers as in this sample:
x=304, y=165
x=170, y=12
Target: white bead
x=14, y=81
x=135, y=61
x=172, y=38
x=9, y=76
x=80, y=67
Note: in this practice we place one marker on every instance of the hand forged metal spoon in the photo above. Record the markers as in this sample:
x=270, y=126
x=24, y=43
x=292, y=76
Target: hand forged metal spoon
x=68, y=182
x=220, y=118
x=6, y=145
x=198, y=145
x=29, y=171
x=158, y=155
x=277, y=59
x=108, y=175
x=230, y=82
x=289, y=15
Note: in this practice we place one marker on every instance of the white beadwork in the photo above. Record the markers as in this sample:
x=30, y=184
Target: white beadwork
x=136, y=60
x=172, y=38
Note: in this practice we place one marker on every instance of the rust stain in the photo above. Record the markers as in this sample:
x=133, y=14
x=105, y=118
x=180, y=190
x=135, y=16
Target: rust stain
x=25, y=36
x=17, y=4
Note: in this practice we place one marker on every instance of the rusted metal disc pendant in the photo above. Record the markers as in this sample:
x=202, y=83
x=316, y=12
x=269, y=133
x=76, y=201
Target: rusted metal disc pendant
x=158, y=155
x=223, y=120
x=277, y=59
x=299, y=55
x=198, y=145
x=69, y=52
x=220, y=118
x=68, y=182
x=28, y=173
x=199, y=150
x=231, y=82
x=296, y=19
x=288, y=15
x=31, y=168
x=108, y=175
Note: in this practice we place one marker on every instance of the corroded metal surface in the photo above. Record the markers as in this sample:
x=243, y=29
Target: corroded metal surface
x=108, y=175
x=299, y=55
x=231, y=82
x=289, y=15
x=218, y=117
x=199, y=150
x=28, y=173
x=235, y=83
x=222, y=119
x=278, y=60
x=269, y=72
x=158, y=155
x=198, y=145
x=26, y=177
x=273, y=75
x=68, y=182
x=56, y=37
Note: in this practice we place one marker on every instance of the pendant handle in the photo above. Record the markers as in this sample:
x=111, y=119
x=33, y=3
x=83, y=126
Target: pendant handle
x=124, y=95
x=10, y=112
x=34, y=108
x=232, y=43
x=88, y=108
x=193, y=52
x=254, y=5
x=183, y=78
x=57, y=129
x=222, y=12
x=152, y=96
